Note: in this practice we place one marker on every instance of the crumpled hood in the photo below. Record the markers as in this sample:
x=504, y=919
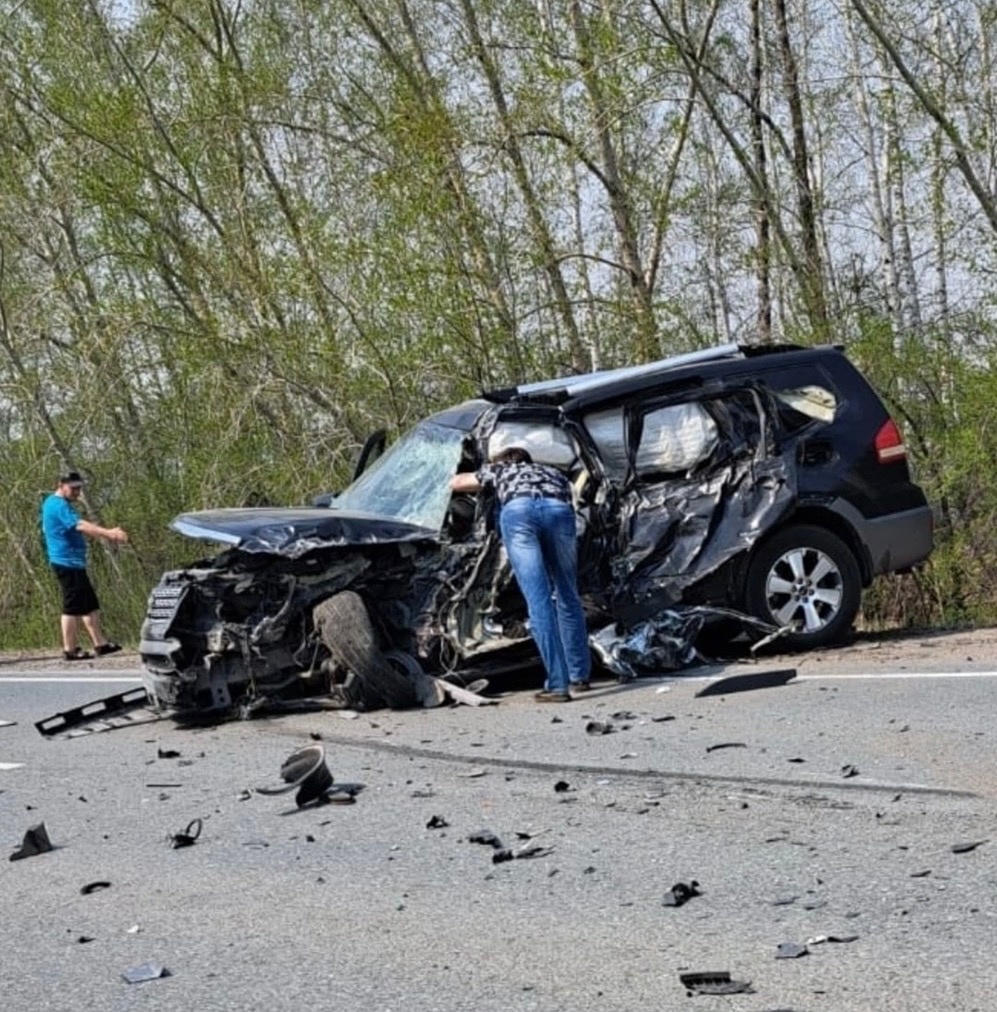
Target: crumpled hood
x=293, y=531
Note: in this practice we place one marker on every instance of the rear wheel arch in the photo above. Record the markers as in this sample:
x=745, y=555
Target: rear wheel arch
x=834, y=523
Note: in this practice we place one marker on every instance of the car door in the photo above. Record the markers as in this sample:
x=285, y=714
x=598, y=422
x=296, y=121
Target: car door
x=699, y=477
x=483, y=609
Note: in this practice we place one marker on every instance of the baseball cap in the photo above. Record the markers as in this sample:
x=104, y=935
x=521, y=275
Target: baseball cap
x=71, y=478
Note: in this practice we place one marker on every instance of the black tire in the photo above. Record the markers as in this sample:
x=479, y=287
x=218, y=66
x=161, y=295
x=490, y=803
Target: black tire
x=808, y=577
x=345, y=628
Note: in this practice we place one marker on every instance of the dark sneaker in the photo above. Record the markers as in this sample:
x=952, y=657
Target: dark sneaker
x=580, y=686
x=552, y=697
x=76, y=654
x=108, y=648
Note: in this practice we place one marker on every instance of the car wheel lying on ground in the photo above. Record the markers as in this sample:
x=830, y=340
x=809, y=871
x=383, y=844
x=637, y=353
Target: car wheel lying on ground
x=770, y=482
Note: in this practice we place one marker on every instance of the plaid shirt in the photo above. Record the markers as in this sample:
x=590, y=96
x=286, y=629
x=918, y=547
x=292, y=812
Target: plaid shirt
x=513, y=480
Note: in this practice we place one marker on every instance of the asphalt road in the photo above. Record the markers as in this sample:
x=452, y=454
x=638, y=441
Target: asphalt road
x=826, y=807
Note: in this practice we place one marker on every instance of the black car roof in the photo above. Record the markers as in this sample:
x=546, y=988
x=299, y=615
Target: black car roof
x=574, y=392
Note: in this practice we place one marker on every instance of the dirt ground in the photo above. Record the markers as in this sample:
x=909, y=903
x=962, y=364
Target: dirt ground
x=955, y=650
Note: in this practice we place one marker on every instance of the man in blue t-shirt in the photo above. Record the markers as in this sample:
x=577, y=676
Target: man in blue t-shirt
x=66, y=547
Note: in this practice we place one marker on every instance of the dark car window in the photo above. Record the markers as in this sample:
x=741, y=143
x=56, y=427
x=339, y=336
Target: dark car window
x=804, y=396
x=410, y=481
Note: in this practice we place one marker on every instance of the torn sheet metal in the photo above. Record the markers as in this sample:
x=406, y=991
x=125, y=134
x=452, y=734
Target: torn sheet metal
x=664, y=642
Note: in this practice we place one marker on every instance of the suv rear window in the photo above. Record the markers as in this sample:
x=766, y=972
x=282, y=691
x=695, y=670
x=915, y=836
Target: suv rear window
x=804, y=396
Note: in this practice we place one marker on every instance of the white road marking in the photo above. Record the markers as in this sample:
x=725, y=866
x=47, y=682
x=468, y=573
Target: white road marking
x=901, y=674
x=873, y=676
x=68, y=679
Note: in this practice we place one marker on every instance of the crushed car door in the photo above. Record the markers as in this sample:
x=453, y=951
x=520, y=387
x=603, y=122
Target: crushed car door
x=701, y=480
x=485, y=611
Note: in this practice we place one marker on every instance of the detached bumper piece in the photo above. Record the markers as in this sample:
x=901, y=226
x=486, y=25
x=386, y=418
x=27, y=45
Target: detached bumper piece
x=120, y=710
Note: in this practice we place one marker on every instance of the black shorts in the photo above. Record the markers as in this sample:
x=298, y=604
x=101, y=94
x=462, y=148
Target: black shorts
x=78, y=595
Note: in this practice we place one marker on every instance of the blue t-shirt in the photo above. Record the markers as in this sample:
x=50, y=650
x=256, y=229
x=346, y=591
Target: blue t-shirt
x=63, y=542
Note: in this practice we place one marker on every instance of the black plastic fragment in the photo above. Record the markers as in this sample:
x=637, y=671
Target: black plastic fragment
x=714, y=982
x=965, y=848
x=561, y=786
x=92, y=887
x=599, y=727
x=487, y=837
x=35, y=841
x=848, y=770
x=167, y=753
x=745, y=683
x=726, y=744
x=437, y=822
x=188, y=837
x=100, y=709
x=306, y=770
x=680, y=893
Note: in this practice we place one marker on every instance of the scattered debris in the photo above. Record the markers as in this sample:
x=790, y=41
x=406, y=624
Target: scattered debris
x=848, y=770
x=123, y=709
x=471, y=696
x=305, y=770
x=92, y=887
x=35, y=841
x=841, y=939
x=796, y=759
x=437, y=822
x=8, y=723
x=188, y=837
x=965, y=848
x=744, y=683
x=10, y=766
x=790, y=950
x=726, y=744
x=167, y=753
x=501, y=852
x=664, y=717
x=714, y=982
x=475, y=773
x=487, y=837
x=784, y=901
x=680, y=893
x=561, y=786
x=143, y=972
x=599, y=727
x=921, y=874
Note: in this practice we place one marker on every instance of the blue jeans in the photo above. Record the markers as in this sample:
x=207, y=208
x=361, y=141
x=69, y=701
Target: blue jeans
x=541, y=542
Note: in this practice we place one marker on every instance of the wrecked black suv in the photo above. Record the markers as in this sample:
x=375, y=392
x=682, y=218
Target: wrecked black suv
x=770, y=481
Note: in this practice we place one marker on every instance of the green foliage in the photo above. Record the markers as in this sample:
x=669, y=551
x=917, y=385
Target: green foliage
x=235, y=238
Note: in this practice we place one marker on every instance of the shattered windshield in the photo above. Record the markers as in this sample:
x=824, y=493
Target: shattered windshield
x=411, y=481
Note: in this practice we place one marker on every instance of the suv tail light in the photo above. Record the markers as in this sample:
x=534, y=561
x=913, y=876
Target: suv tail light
x=889, y=443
